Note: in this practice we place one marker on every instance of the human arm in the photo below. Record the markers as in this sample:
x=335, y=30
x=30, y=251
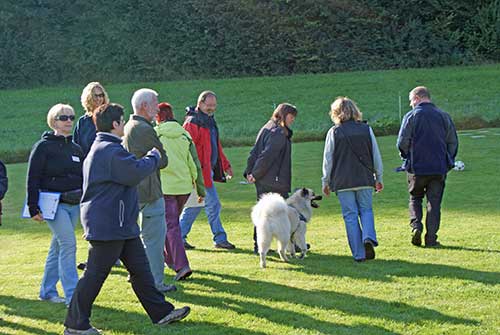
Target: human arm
x=377, y=159
x=200, y=187
x=36, y=164
x=328, y=161
x=270, y=154
x=451, y=138
x=125, y=169
x=405, y=135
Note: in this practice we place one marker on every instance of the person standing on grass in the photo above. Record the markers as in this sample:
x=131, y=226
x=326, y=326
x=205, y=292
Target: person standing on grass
x=109, y=210
x=140, y=137
x=4, y=185
x=269, y=164
x=177, y=180
x=352, y=168
x=55, y=165
x=93, y=96
x=428, y=142
x=201, y=125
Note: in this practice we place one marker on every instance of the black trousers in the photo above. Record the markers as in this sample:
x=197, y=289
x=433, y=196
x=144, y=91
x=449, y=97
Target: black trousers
x=102, y=256
x=262, y=189
x=432, y=187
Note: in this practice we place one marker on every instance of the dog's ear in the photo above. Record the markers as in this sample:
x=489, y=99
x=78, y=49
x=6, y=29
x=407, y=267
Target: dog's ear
x=305, y=192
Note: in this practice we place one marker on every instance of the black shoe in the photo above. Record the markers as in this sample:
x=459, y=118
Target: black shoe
x=416, y=237
x=297, y=249
x=188, y=246
x=225, y=245
x=81, y=266
x=434, y=244
x=175, y=315
x=369, y=250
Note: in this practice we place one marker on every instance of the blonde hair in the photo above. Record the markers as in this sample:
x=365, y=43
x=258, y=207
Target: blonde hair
x=344, y=109
x=55, y=111
x=87, y=98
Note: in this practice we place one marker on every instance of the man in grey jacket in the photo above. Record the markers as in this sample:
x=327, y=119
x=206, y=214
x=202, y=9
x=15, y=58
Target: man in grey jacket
x=139, y=138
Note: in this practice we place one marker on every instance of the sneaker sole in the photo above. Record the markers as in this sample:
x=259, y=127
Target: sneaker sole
x=176, y=319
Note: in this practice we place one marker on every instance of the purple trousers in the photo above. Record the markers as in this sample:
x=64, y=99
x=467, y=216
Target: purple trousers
x=174, y=252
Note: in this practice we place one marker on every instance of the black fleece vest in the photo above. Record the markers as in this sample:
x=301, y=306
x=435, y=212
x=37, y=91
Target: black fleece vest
x=352, y=156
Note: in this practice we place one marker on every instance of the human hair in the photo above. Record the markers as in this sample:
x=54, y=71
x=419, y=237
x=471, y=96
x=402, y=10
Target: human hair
x=143, y=95
x=87, y=98
x=57, y=110
x=280, y=113
x=166, y=113
x=204, y=95
x=344, y=109
x=422, y=92
x=104, y=115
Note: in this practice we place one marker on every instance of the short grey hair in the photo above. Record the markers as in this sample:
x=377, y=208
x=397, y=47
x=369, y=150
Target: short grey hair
x=142, y=95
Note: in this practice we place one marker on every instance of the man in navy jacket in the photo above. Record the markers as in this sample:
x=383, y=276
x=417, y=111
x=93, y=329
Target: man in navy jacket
x=428, y=142
x=109, y=209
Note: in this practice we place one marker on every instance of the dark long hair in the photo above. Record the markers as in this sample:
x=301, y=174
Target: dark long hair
x=281, y=112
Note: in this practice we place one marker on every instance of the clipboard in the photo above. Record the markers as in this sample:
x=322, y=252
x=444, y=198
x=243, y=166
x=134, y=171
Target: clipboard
x=48, y=202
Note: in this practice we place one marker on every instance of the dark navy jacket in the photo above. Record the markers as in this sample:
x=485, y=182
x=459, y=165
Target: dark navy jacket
x=84, y=133
x=270, y=160
x=428, y=140
x=109, y=206
x=3, y=180
x=55, y=165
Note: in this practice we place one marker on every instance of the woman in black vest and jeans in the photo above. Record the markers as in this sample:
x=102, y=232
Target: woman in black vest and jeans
x=55, y=165
x=269, y=164
x=352, y=167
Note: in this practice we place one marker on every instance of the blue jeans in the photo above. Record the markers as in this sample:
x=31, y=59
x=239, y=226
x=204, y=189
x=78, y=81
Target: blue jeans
x=212, y=209
x=61, y=259
x=358, y=204
x=153, y=231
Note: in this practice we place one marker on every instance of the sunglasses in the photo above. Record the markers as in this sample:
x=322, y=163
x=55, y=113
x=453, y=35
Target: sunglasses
x=101, y=95
x=65, y=118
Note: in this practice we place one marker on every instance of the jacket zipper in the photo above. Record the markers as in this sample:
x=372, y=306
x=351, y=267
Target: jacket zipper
x=122, y=212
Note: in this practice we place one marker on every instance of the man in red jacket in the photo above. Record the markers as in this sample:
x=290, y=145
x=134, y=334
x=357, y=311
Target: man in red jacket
x=201, y=125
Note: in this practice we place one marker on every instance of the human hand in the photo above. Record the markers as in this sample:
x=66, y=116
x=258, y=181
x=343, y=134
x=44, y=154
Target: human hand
x=229, y=173
x=250, y=178
x=326, y=190
x=154, y=152
x=379, y=187
x=38, y=217
x=200, y=199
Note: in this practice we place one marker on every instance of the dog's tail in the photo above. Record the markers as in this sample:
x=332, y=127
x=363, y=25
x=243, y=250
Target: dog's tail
x=270, y=204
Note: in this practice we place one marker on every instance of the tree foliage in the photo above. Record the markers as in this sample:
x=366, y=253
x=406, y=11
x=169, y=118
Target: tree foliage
x=51, y=42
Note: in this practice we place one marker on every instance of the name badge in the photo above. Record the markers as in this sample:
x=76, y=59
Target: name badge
x=76, y=159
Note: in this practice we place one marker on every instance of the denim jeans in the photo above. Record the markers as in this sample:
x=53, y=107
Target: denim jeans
x=61, y=259
x=153, y=232
x=212, y=209
x=358, y=204
x=102, y=256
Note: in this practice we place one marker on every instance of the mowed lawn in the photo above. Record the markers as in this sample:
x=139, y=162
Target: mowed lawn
x=470, y=94
x=405, y=290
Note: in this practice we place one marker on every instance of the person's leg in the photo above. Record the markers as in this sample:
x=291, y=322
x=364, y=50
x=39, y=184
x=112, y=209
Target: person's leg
x=174, y=246
x=213, y=208
x=141, y=278
x=350, y=212
x=364, y=200
x=416, y=188
x=102, y=256
x=48, y=288
x=186, y=220
x=153, y=232
x=434, y=194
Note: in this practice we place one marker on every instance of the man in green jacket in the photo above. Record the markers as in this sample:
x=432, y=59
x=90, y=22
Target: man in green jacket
x=139, y=138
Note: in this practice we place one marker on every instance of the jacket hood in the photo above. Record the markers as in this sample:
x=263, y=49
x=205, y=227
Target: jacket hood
x=49, y=136
x=171, y=129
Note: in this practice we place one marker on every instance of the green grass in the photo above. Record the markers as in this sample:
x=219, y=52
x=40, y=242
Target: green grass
x=469, y=94
x=405, y=290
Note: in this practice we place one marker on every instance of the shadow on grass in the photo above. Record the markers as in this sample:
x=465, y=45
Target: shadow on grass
x=326, y=300
x=384, y=269
x=109, y=319
x=460, y=248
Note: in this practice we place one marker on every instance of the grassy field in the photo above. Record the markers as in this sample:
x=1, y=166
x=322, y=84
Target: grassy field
x=246, y=103
x=405, y=290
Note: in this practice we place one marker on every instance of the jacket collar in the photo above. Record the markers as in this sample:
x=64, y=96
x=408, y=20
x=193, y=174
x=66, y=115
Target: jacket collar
x=107, y=137
x=140, y=119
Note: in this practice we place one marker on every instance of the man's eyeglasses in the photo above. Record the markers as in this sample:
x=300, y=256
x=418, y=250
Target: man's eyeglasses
x=100, y=95
x=65, y=117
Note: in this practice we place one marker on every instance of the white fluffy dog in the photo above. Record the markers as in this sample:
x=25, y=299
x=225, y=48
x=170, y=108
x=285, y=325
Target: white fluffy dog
x=285, y=220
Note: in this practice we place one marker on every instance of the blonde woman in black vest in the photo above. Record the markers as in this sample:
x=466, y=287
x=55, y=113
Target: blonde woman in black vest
x=352, y=168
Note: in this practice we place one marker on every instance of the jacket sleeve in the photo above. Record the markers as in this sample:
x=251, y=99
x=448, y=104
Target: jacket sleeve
x=4, y=185
x=203, y=156
x=451, y=138
x=149, y=140
x=404, y=136
x=127, y=170
x=225, y=162
x=200, y=186
x=36, y=164
x=269, y=155
x=328, y=157
x=76, y=133
x=377, y=159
